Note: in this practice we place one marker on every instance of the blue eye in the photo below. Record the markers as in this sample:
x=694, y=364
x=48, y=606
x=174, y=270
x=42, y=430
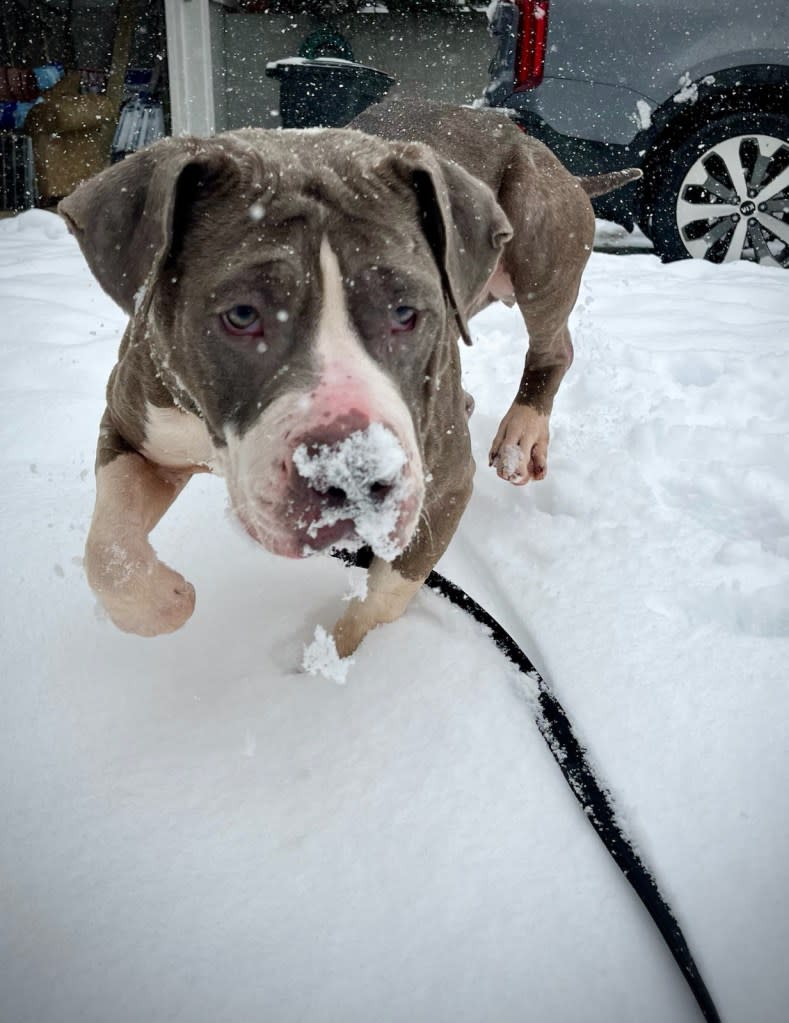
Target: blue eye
x=403, y=319
x=242, y=319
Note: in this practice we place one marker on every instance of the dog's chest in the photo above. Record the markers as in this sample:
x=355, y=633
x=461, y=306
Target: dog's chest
x=176, y=439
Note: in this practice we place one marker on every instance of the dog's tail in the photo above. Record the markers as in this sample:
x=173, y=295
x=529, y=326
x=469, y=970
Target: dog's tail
x=599, y=184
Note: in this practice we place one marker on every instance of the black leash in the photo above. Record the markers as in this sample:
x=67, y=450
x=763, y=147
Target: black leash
x=570, y=755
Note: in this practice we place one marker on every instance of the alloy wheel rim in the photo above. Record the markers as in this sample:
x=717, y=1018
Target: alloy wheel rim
x=734, y=202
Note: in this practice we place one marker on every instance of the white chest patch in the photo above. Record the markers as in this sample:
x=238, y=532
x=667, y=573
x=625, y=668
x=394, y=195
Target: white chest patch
x=177, y=439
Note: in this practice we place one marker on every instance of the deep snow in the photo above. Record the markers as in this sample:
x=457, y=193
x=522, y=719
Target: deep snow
x=195, y=830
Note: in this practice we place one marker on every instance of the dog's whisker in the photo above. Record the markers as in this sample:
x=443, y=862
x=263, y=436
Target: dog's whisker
x=424, y=520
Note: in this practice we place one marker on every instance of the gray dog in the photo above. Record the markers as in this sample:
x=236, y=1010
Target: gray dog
x=295, y=299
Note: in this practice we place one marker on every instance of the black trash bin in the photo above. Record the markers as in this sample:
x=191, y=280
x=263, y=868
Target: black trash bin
x=325, y=92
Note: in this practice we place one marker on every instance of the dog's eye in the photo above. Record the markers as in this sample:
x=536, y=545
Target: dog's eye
x=403, y=319
x=242, y=319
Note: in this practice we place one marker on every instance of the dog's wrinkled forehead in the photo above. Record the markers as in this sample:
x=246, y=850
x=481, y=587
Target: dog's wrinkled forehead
x=294, y=189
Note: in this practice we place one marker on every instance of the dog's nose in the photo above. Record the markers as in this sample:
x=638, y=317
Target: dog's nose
x=358, y=469
x=336, y=497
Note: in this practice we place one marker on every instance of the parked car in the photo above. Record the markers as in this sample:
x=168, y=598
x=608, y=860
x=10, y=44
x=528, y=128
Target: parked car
x=697, y=95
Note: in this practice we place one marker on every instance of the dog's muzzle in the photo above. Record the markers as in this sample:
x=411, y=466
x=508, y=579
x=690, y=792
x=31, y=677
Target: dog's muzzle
x=347, y=481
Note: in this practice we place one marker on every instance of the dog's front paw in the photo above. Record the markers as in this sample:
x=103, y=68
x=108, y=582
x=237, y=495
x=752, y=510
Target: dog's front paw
x=519, y=452
x=160, y=602
x=348, y=634
x=140, y=593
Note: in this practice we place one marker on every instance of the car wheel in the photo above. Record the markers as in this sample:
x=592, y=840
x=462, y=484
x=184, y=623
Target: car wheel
x=723, y=193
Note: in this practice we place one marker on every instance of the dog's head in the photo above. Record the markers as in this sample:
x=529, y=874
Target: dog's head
x=299, y=292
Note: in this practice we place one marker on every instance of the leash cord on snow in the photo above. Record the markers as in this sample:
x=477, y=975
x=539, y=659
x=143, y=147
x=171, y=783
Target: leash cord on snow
x=570, y=755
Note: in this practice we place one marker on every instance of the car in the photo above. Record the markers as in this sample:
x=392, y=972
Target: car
x=696, y=95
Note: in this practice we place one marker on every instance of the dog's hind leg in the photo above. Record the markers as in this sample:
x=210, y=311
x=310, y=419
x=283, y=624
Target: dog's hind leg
x=139, y=592
x=519, y=451
x=552, y=243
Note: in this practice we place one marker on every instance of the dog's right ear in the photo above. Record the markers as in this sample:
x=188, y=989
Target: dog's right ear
x=123, y=217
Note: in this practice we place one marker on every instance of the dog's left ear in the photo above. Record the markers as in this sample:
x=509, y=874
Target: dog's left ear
x=464, y=225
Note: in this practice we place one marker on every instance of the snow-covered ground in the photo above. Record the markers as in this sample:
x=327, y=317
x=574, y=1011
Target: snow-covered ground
x=194, y=830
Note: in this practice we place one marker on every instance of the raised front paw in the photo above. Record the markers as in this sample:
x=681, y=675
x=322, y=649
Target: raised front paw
x=519, y=452
x=140, y=593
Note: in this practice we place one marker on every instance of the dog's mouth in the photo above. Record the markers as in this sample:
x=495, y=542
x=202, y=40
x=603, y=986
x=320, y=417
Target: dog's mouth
x=314, y=532
x=340, y=534
x=386, y=531
x=301, y=542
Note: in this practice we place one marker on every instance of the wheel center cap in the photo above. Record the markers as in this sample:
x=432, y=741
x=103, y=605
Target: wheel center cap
x=747, y=208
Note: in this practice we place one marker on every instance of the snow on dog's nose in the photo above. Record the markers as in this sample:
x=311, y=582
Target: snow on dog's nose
x=359, y=484
x=362, y=469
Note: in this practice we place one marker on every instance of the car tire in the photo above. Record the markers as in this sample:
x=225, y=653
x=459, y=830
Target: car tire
x=723, y=192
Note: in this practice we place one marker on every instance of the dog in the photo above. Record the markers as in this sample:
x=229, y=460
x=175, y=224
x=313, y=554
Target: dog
x=294, y=301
